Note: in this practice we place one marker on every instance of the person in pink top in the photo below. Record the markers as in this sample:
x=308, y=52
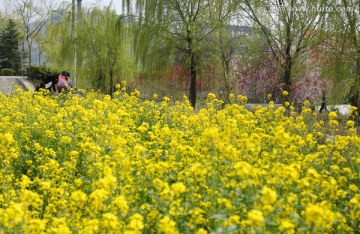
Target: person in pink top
x=63, y=82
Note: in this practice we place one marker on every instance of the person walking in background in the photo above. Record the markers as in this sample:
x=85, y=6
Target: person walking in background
x=323, y=103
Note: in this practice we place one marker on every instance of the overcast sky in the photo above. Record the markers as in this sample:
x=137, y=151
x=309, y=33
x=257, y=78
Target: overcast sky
x=115, y=3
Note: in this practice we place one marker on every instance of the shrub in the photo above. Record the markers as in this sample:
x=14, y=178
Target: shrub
x=40, y=72
x=7, y=72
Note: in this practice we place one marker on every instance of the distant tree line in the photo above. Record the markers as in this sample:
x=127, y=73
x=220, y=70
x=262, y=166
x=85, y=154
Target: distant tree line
x=254, y=48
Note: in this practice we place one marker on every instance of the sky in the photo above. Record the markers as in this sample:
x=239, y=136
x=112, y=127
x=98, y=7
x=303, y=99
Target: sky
x=115, y=3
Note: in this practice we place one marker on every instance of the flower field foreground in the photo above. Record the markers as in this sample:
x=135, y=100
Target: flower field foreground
x=122, y=165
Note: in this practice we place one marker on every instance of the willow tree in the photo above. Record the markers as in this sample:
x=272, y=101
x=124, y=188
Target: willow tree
x=287, y=26
x=101, y=48
x=170, y=31
x=348, y=15
x=340, y=51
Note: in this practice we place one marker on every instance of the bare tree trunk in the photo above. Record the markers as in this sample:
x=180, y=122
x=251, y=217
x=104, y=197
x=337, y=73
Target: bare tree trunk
x=193, y=80
x=226, y=76
x=193, y=64
x=354, y=92
x=29, y=60
x=30, y=50
x=111, y=82
x=288, y=58
x=39, y=53
x=79, y=9
x=287, y=72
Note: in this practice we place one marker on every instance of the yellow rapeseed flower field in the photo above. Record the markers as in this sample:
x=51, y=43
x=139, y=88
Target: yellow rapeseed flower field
x=123, y=165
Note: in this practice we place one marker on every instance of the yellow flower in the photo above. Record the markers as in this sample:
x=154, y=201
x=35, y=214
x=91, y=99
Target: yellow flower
x=90, y=226
x=35, y=226
x=59, y=225
x=224, y=201
x=110, y=221
x=353, y=188
x=65, y=140
x=353, y=108
x=333, y=123
x=158, y=184
x=120, y=204
x=78, y=182
x=234, y=219
x=106, y=183
x=306, y=103
x=211, y=133
x=231, y=96
x=287, y=226
x=243, y=169
x=242, y=99
x=256, y=217
x=166, y=99
x=178, y=188
x=127, y=165
x=25, y=181
x=136, y=93
x=355, y=201
x=32, y=198
x=167, y=193
x=143, y=127
x=350, y=123
x=136, y=222
x=97, y=198
x=79, y=196
x=45, y=185
x=37, y=146
x=211, y=96
x=332, y=115
x=268, y=196
x=285, y=93
x=201, y=231
x=166, y=225
x=13, y=214
x=319, y=216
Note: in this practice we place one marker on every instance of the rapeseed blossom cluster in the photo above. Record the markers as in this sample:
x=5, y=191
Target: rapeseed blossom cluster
x=119, y=164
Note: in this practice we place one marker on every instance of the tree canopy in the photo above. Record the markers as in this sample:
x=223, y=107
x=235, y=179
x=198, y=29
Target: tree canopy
x=211, y=41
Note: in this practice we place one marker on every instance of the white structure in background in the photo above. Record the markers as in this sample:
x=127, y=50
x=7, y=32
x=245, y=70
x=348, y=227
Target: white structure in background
x=342, y=109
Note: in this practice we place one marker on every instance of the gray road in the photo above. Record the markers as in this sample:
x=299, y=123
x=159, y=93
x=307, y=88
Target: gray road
x=9, y=83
